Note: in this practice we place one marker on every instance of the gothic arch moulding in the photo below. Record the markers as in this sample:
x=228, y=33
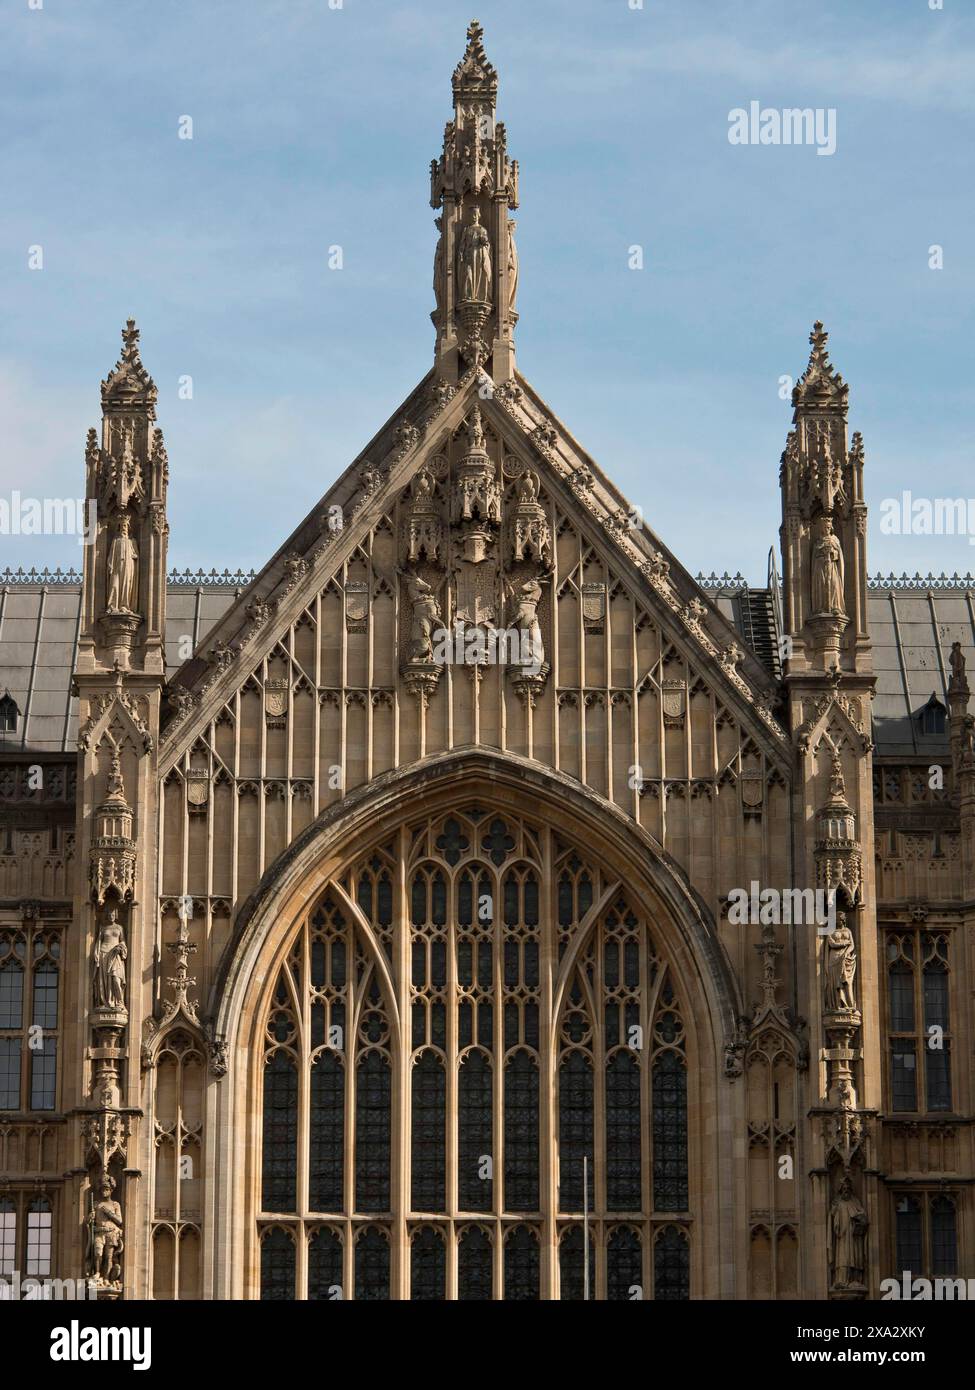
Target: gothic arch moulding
x=428, y=830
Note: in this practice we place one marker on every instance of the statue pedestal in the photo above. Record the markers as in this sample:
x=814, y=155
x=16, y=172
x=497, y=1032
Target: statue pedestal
x=847, y=1292
x=115, y=1019
x=842, y=1020
x=827, y=630
x=421, y=679
x=473, y=315
x=529, y=681
x=119, y=630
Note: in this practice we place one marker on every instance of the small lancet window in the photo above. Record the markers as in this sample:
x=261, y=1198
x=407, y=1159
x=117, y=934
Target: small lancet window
x=932, y=718
x=9, y=713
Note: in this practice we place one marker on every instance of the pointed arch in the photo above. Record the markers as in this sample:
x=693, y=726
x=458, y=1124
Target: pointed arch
x=481, y=841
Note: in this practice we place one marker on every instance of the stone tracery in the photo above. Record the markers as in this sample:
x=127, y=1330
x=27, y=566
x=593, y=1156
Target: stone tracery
x=472, y=1029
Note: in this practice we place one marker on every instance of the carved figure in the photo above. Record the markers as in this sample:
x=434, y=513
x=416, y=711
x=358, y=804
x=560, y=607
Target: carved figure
x=108, y=957
x=426, y=615
x=474, y=262
x=512, y=266
x=847, y=1244
x=107, y=1243
x=122, y=569
x=827, y=572
x=525, y=620
x=956, y=661
x=840, y=969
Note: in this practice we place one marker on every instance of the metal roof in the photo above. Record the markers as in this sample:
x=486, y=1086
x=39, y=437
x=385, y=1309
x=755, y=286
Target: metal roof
x=913, y=622
x=40, y=619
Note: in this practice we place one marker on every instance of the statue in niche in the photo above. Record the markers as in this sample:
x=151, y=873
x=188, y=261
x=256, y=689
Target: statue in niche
x=474, y=262
x=847, y=1238
x=123, y=559
x=957, y=663
x=829, y=477
x=426, y=617
x=438, y=267
x=116, y=787
x=968, y=737
x=512, y=266
x=105, y=1261
x=827, y=572
x=108, y=957
x=526, y=488
x=840, y=969
x=525, y=620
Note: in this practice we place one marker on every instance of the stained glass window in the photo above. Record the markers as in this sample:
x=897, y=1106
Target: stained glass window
x=411, y=1058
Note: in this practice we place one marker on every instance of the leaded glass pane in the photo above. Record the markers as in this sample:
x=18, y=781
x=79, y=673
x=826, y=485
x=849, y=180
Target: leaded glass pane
x=325, y=1267
x=475, y=1130
x=624, y=1133
x=280, y=1158
x=521, y=1265
x=372, y=1266
x=428, y=1266
x=429, y=1131
x=521, y=1133
x=575, y=1129
x=277, y=1266
x=944, y=1238
x=326, y=1134
x=671, y=1266
x=373, y=1120
x=571, y=1266
x=910, y=1240
x=475, y=1266
x=624, y=1266
x=669, y=1133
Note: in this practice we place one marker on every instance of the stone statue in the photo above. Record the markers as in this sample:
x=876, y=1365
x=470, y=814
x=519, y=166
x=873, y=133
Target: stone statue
x=123, y=573
x=108, y=965
x=827, y=572
x=525, y=620
x=438, y=267
x=426, y=615
x=829, y=477
x=840, y=969
x=512, y=266
x=847, y=1239
x=107, y=1244
x=957, y=663
x=474, y=262
x=968, y=737
x=116, y=787
x=527, y=487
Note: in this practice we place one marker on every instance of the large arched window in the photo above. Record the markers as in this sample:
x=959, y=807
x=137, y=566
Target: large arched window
x=468, y=1016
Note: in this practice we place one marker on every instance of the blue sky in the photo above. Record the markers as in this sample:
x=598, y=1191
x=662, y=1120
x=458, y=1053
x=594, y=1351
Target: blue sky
x=315, y=126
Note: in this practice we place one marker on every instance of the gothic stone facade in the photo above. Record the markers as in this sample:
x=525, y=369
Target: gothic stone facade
x=329, y=957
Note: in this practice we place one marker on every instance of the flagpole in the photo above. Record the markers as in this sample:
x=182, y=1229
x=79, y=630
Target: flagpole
x=585, y=1227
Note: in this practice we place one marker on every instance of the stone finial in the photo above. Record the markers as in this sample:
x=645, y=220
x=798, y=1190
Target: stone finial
x=820, y=387
x=128, y=385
